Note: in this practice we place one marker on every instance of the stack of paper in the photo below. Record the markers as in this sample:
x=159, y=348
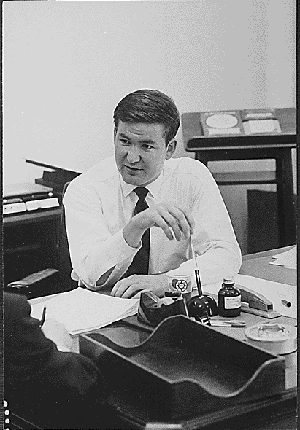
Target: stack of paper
x=82, y=310
x=287, y=259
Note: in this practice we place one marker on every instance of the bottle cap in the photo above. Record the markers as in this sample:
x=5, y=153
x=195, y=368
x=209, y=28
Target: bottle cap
x=228, y=281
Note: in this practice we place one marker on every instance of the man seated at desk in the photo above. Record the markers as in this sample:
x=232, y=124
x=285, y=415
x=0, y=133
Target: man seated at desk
x=130, y=219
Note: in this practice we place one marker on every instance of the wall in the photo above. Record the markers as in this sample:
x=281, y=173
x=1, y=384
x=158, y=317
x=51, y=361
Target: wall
x=67, y=64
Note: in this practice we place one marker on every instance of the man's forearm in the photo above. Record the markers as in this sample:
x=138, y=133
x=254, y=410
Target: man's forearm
x=97, y=261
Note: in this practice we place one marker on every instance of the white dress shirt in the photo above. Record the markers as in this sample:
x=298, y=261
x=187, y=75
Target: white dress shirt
x=98, y=205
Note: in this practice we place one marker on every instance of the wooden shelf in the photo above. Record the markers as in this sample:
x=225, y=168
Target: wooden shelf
x=29, y=217
x=244, y=178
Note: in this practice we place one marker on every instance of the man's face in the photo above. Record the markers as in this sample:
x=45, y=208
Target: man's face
x=140, y=151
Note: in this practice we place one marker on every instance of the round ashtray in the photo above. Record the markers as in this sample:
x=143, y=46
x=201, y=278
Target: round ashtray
x=274, y=337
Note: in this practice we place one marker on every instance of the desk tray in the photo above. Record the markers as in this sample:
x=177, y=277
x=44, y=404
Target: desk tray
x=184, y=369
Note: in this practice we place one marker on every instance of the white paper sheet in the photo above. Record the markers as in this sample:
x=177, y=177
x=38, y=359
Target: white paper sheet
x=274, y=291
x=287, y=259
x=82, y=310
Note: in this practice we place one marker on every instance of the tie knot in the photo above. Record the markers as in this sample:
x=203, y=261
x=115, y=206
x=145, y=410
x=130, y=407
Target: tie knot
x=141, y=192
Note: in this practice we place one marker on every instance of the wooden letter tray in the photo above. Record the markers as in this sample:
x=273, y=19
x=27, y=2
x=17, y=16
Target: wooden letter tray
x=184, y=369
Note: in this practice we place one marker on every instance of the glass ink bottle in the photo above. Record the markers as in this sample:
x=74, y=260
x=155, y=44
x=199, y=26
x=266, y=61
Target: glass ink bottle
x=229, y=299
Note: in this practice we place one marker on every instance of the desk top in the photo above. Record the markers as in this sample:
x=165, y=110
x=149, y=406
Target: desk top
x=134, y=332
x=130, y=333
x=258, y=265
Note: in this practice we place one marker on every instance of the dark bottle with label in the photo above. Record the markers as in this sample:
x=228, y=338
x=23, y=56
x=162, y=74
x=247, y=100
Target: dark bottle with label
x=229, y=299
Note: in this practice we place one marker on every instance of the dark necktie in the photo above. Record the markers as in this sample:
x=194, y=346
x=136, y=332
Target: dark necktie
x=140, y=263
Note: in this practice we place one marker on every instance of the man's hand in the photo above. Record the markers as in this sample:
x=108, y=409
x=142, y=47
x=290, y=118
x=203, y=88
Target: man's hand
x=57, y=332
x=176, y=223
x=134, y=284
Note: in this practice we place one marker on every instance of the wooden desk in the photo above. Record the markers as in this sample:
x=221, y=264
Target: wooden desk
x=258, y=265
x=273, y=413
x=253, y=147
x=30, y=242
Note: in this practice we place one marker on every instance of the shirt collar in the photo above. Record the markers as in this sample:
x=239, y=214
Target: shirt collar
x=153, y=187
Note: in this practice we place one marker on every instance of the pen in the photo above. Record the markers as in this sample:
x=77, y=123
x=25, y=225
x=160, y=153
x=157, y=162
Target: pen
x=230, y=321
x=163, y=426
x=216, y=323
x=197, y=272
x=43, y=317
x=221, y=323
x=286, y=303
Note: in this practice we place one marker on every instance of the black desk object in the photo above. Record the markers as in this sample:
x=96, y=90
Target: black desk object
x=276, y=146
x=138, y=400
x=54, y=177
x=185, y=370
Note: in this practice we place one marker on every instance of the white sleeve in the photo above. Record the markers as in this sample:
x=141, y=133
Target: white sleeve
x=218, y=253
x=93, y=249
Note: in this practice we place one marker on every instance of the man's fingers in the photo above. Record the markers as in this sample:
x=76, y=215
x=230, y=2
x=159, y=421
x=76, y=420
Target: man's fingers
x=185, y=216
x=160, y=222
x=179, y=219
x=137, y=293
x=127, y=287
x=132, y=286
x=120, y=287
x=131, y=291
x=172, y=222
x=190, y=219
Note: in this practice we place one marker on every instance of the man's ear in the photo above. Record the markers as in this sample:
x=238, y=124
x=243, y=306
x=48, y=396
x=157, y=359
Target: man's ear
x=171, y=148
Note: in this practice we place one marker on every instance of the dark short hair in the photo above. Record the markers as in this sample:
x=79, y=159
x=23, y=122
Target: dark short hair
x=149, y=106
